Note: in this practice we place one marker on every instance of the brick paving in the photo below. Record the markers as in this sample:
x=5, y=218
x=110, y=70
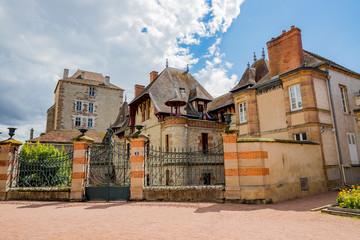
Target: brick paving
x=168, y=220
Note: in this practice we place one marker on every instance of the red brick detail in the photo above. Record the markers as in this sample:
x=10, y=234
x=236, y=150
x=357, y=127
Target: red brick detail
x=137, y=158
x=3, y=177
x=4, y=163
x=230, y=155
x=247, y=172
x=137, y=143
x=80, y=146
x=252, y=155
x=137, y=174
x=5, y=149
x=285, y=52
x=79, y=160
x=78, y=175
x=138, y=89
x=229, y=139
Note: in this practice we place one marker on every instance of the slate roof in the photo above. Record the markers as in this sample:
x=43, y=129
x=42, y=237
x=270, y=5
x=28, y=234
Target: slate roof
x=161, y=90
x=222, y=101
x=122, y=119
x=314, y=60
x=258, y=73
x=90, y=78
x=66, y=136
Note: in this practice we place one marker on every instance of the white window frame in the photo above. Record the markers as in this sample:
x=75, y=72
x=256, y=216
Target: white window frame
x=344, y=99
x=76, y=119
x=91, y=91
x=92, y=122
x=78, y=106
x=92, y=107
x=242, y=112
x=301, y=136
x=295, y=97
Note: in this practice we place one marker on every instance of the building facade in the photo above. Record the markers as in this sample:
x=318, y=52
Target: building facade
x=302, y=96
x=84, y=100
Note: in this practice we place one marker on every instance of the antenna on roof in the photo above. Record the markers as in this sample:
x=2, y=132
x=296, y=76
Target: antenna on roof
x=255, y=57
x=263, y=53
x=167, y=63
x=248, y=64
x=187, y=67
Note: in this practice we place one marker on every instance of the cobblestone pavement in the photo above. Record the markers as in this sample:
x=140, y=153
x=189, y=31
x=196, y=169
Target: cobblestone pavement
x=168, y=220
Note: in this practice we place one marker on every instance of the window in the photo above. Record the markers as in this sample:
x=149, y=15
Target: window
x=90, y=122
x=78, y=122
x=300, y=137
x=344, y=99
x=182, y=90
x=207, y=178
x=91, y=107
x=78, y=105
x=91, y=91
x=295, y=97
x=242, y=112
x=205, y=142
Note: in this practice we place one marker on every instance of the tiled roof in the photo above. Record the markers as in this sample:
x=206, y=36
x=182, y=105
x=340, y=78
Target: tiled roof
x=161, y=89
x=222, y=101
x=122, y=120
x=66, y=136
x=314, y=60
x=90, y=78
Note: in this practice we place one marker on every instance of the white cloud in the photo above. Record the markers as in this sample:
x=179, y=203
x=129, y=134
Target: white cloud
x=38, y=39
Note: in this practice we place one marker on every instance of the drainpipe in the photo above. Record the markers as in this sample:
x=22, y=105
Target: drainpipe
x=342, y=172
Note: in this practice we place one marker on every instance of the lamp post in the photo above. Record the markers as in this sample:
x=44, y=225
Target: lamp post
x=11, y=132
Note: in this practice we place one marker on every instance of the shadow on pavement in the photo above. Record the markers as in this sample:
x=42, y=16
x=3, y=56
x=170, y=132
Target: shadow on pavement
x=106, y=205
x=39, y=205
x=298, y=205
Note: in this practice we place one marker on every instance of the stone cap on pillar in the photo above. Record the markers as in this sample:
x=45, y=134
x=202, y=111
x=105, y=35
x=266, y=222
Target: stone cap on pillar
x=135, y=136
x=83, y=138
x=11, y=142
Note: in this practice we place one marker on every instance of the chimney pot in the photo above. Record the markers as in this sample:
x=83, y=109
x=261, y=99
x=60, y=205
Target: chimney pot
x=66, y=73
x=292, y=27
x=153, y=75
x=285, y=52
x=284, y=31
x=138, y=89
x=107, y=80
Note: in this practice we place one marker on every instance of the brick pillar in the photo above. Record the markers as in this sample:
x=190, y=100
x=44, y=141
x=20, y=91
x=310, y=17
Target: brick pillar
x=81, y=145
x=231, y=165
x=7, y=150
x=137, y=167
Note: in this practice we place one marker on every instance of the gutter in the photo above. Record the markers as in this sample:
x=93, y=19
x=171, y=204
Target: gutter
x=341, y=166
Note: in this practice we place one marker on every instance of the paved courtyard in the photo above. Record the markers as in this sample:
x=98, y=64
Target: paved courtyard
x=167, y=220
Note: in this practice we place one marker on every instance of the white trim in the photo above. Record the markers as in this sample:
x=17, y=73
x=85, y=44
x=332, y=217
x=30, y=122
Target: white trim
x=242, y=112
x=295, y=97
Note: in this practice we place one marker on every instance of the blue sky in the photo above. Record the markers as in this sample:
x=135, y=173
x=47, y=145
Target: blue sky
x=128, y=39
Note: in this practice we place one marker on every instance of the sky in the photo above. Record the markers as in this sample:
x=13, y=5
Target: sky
x=126, y=40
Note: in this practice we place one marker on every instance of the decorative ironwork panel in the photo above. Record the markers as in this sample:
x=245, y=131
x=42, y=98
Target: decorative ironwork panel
x=39, y=170
x=184, y=168
x=108, y=165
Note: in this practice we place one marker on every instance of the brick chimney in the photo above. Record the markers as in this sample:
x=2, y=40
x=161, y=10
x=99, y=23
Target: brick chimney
x=153, y=75
x=285, y=52
x=138, y=89
x=66, y=73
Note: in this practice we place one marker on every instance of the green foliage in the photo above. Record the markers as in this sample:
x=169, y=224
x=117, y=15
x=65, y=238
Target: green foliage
x=349, y=198
x=43, y=165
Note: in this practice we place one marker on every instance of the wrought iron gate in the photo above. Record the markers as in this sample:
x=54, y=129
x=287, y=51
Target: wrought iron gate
x=108, y=172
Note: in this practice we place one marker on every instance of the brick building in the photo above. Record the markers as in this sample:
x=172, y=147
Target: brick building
x=300, y=95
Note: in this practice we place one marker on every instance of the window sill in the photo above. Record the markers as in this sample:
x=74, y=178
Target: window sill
x=355, y=165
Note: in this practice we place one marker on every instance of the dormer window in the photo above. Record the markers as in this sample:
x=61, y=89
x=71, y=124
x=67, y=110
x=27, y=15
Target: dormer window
x=182, y=90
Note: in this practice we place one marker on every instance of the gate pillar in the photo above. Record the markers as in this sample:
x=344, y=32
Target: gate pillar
x=81, y=144
x=231, y=166
x=7, y=150
x=137, y=167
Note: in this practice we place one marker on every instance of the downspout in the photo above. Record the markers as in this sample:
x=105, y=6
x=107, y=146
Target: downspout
x=342, y=172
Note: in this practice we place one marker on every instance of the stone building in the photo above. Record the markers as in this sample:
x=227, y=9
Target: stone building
x=300, y=95
x=173, y=111
x=84, y=100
